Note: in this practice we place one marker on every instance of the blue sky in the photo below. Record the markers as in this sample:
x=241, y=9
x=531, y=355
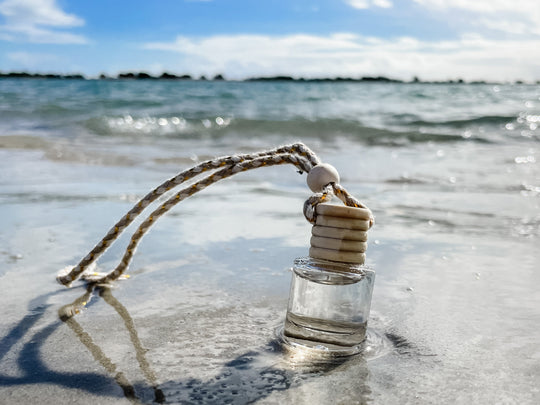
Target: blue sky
x=431, y=39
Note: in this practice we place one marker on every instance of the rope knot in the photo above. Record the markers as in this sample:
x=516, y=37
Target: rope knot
x=310, y=206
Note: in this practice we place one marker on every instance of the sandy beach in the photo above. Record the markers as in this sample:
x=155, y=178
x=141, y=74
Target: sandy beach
x=455, y=309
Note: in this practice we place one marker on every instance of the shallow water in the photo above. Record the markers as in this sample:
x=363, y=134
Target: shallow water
x=451, y=173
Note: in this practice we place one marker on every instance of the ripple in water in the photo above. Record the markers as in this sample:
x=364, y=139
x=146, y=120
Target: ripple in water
x=320, y=358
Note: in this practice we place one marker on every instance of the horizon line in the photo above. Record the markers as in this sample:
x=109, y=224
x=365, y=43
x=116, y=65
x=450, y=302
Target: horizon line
x=142, y=75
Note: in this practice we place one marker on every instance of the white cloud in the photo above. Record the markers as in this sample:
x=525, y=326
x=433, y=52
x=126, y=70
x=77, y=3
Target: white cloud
x=382, y=3
x=364, y=4
x=359, y=4
x=484, y=6
x=520, y=17
x=38, y=21
x=344, y=54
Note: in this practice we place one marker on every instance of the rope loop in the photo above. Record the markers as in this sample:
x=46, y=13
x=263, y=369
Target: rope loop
x=297, y=154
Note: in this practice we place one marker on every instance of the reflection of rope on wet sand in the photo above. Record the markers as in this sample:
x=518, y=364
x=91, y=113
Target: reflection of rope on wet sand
x=67, y=314
x=297, y=154
x=242, y=380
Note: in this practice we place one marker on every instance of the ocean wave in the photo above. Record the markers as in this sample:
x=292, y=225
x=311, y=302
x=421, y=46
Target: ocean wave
x=464, y=123
x=53, y=109
x=326, y=129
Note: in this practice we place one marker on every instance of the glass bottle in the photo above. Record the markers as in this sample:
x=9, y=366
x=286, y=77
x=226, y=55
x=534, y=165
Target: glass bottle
x=330, y=300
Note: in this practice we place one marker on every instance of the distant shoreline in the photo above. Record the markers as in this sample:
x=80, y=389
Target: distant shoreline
x=219, y=77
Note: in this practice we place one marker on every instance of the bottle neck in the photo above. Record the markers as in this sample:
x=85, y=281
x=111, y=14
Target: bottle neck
x=331, y=272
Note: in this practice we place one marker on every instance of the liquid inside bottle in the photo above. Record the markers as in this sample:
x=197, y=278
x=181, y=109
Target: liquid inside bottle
x=329, y=305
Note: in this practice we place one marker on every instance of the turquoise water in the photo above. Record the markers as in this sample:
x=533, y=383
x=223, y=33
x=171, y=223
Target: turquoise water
x=367, y=113
x=451, y=172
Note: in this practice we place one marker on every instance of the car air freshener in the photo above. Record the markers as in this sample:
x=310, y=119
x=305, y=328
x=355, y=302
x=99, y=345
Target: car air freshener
x=330, y=294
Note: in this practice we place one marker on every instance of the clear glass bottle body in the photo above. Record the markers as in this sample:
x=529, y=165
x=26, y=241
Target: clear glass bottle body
x=329, y=304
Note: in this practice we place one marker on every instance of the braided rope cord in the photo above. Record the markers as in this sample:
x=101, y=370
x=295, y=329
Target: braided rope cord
x=297, y=154
x=301, y=163
x=349, y=200
x=314, y=200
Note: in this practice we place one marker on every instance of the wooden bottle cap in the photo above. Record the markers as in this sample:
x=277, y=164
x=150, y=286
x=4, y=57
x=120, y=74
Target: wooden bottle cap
x=343, y=211
x=340, y=233
x=342, y=222
x=337, y=255
x=338, y=244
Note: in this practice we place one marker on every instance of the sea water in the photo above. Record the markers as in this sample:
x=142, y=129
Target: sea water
x=450, y=171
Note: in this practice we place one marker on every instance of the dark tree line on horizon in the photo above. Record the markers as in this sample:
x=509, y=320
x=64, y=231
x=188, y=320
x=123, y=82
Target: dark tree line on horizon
x=220, y=77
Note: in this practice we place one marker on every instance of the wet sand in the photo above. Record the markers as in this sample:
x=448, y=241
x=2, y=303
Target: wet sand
x=455, y=296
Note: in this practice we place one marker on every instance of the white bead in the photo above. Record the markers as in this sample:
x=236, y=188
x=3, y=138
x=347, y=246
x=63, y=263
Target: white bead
x=320, y=176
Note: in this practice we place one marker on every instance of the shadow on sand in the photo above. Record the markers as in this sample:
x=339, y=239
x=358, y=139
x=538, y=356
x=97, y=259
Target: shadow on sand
x=246, y=379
